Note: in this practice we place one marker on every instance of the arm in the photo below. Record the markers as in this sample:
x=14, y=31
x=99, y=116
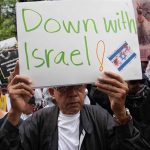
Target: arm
x=125, y=135
x=20, y=91
x=116, y=89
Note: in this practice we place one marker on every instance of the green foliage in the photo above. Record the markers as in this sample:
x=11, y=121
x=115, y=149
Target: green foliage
x=7, y=19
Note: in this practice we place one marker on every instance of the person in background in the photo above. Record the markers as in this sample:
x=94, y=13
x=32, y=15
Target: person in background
x=30, y=109
x=144, y=66
x=48, y=98
x=147, y=72
x=98, y=97
x=40, y=102
x=138, y=102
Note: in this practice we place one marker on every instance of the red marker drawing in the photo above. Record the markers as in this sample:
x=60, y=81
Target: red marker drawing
x=100, y=49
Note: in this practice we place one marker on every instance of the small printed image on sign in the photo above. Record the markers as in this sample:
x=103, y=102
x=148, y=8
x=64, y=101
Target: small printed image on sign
x=122, y=56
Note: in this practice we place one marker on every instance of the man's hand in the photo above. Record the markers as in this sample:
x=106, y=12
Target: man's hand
x=20, y=92
x=116, y=88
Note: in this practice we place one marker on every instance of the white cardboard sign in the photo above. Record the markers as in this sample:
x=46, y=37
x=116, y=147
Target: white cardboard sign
x=72, y=42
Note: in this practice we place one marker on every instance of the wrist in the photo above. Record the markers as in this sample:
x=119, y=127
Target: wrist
x=14, y=117
x=123, y=118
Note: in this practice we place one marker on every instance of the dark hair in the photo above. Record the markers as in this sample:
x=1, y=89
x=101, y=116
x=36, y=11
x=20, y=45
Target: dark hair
x=144, y=80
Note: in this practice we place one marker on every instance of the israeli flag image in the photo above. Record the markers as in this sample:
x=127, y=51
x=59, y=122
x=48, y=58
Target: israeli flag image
x=122, y=56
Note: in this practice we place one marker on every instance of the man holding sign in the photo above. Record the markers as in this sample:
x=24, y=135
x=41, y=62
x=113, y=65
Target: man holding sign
x=70, y=125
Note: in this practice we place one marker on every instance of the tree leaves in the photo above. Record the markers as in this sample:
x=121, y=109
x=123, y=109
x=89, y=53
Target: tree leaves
x=7, y=19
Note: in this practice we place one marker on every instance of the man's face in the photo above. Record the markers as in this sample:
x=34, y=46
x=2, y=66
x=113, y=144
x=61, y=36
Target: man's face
x=70, y=98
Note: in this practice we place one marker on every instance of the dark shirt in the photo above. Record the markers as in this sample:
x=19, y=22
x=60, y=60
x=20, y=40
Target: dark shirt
x=139, y=106
x=40, y=132
x=2, y=120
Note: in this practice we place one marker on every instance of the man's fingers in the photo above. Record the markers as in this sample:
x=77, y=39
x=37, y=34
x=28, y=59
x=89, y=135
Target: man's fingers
x=20, y=92
x=113, y=75
x=112, y=84
x=16, y=70
x=21, y=78
x=110, y=88
x=109, y=93
x=22, y=85
x=110, y=81
x=14, y=73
